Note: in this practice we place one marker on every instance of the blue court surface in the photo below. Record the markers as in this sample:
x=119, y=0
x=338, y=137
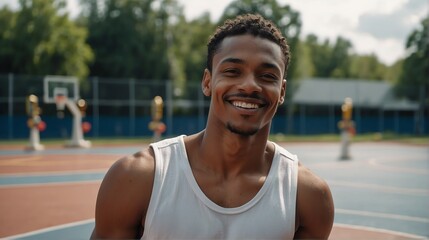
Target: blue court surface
x=383, y=187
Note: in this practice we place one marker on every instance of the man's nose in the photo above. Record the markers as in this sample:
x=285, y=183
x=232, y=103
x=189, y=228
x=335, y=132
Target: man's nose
x=249, y=84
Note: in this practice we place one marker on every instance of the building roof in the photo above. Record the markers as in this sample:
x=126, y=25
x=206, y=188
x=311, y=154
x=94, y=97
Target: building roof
x=364, y=93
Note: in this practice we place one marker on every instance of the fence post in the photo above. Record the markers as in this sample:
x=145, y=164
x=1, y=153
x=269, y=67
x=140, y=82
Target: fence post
x=421, y=116
x=332, y=124
x=132, y=100
x=10, y=103
x=169, y=93
x=200, y=110
x=95, y=112
x=381, y=120
x=302, y=119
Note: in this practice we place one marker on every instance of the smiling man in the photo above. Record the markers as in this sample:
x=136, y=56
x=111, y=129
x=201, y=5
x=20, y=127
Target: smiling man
x=228, y=181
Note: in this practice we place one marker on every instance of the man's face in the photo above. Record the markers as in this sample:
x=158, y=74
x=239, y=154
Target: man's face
x=246, y=83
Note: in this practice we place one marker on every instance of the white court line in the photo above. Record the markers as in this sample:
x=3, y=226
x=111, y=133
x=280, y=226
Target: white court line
x=63, y=226
x=48, y=184
x=50, y=229
x=382, y=215
x=380, y=230
x=382, y=164
x=54, y=173
x=381, y=188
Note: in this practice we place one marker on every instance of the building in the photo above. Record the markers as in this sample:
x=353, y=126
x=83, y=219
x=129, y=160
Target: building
x=375, y=108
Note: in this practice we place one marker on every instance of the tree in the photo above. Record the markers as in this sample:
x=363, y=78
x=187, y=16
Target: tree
x=394, y=72
x=43, y=41
x=304, y=64
x=191, y=45
x=132, y=38
x=367, y=67
x=7, y=22
x=340, y=61
x=320, y=55
x=414, y=81
x=285, y=18
x=116, y=34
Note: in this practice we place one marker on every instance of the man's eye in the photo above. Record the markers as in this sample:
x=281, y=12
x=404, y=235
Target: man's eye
x=231, y=71
x=269, y=76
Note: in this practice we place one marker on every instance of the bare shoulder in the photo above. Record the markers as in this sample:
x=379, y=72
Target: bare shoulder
x=131, y=172
x=124, y=197
x=315, y=207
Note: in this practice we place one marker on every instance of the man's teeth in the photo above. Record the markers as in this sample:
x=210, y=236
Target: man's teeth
x=245, y=105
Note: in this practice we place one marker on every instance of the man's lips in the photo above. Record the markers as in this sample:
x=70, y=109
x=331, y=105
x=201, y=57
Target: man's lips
x=245, y=105
x=244, y=101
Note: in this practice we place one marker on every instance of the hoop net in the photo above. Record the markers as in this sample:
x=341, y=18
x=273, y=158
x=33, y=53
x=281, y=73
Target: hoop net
x=60, y=100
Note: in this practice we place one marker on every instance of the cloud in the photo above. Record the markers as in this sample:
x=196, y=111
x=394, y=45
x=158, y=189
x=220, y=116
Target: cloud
x=394, y=25
x=416, y=5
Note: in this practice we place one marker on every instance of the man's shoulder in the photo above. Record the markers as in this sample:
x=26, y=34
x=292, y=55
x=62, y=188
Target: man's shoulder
x=124, y=196
x=310, y=180
x=315, y=207
x=140, y=165
x=285, y=153
x=168, y=141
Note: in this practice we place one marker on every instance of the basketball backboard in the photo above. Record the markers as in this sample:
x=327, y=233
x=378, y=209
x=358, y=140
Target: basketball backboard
x=60, y=85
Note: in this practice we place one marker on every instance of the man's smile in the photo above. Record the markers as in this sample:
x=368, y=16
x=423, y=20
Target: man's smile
x=245, y=105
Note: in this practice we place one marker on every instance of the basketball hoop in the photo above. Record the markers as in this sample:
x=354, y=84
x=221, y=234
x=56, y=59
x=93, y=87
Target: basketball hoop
x=60, y=100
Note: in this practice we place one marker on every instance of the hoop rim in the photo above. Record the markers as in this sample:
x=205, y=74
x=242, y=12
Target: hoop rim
x=60, y=98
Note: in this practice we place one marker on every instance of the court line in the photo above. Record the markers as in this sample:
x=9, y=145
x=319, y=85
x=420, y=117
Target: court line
x=380, y=230
x=54, y=173
x=382, y=164
x=13, y=161
x=87, y=221
x=51, y=229
x=48, y=184
x=381, y=188
x=382, y=215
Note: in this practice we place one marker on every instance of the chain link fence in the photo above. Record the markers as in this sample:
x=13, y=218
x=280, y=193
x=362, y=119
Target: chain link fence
x=122, y=108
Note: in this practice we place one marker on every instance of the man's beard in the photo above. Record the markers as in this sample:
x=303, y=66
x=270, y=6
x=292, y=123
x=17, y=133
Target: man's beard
x=242, y=133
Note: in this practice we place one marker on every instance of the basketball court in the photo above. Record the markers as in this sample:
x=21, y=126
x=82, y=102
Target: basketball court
x=381, y=193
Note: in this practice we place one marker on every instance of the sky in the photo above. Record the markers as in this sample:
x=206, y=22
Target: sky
x=373, y=26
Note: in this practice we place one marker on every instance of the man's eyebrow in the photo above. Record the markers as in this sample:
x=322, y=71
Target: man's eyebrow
x=270, y=65
x=232, y=60
x=241, y=61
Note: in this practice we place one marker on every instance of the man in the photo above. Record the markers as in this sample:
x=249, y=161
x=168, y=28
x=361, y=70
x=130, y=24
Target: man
x=228, y=181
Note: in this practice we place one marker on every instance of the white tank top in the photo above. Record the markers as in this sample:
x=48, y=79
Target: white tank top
x=179, y=209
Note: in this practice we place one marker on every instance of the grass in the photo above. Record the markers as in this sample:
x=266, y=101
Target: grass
x=369, y=137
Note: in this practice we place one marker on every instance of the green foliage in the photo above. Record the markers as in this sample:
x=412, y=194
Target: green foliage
x=151, y=39
x=414, y=81
x=394, y=72
x=340, y=59
x=304, y=66
x=43, y=41
x=329, y=60
x=323, y=59
x=367, y=67
x=7, y=23
x=132, y=38
x=192, y=43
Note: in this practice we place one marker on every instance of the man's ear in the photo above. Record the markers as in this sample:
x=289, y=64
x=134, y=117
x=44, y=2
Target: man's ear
x=206, y=83
x=283, y=91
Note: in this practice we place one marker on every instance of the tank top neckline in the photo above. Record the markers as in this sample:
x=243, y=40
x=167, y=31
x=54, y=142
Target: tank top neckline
x=184, y=162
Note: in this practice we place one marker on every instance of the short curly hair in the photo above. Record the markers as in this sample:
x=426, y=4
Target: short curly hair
x=253, y=24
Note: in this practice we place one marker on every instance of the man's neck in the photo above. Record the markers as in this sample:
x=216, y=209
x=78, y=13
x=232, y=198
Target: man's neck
x=232, y=154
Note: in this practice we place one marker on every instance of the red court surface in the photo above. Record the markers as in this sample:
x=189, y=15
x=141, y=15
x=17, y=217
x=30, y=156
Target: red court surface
x=33, y=206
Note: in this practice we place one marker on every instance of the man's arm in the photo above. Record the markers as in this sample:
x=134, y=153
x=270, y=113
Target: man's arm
x=315, y=207
x=124, y=197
